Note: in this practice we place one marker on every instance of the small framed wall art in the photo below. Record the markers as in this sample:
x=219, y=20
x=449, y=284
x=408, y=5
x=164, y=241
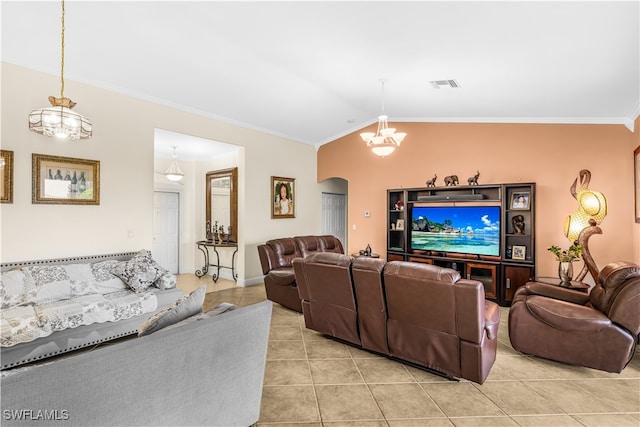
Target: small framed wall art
x=65, y=180
x=283, y=197
x=519, y=252
x=6, y=176
x=400, y=224
x=520, y=200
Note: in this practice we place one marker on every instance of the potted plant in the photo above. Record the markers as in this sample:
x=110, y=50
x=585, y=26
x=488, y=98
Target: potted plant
x=565, y=261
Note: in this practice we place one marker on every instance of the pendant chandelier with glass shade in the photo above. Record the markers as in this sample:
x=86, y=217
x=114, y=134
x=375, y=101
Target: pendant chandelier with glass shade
x=386, y=140
x=58, y=120
x=174, y=173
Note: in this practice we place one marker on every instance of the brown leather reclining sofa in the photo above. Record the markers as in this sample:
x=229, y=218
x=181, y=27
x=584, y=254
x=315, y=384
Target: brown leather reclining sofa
x=420, y=314
x=598, y=330
x=275, y=258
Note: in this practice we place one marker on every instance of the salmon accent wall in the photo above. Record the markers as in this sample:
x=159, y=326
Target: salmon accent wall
x=636, y=228
x=550, y=155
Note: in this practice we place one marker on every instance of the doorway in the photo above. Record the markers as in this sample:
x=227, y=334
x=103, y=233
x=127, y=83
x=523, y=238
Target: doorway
x=334, y=216
x=166, y=230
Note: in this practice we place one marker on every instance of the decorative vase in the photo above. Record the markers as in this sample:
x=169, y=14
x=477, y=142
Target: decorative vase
x=565, y=272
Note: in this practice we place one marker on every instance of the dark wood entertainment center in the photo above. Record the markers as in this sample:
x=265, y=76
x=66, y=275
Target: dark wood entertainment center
x=501, y=274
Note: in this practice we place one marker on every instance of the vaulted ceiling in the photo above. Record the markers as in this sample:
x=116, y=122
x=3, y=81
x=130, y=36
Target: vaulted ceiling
x=310, y=71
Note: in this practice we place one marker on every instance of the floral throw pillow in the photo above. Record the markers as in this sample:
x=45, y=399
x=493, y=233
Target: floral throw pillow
x=14, y=289
x=139, y=272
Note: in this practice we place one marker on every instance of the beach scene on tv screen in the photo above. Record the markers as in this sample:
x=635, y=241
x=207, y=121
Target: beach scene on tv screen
x=461, y=229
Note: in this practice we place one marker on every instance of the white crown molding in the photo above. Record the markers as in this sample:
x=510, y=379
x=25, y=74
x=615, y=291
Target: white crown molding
x=634, y=115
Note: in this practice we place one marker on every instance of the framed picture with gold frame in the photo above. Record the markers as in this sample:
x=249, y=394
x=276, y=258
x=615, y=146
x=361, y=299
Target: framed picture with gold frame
x=65, y=180
x=6, y=176
x=283, y=197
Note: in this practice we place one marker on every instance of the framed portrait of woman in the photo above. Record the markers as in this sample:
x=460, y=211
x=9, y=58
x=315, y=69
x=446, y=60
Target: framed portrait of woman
x=282, y=197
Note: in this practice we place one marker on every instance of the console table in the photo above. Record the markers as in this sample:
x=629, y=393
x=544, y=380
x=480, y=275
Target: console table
x=204, y=246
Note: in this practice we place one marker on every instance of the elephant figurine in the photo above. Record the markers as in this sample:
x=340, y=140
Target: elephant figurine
x=432, y=181
x=474, y=179
x=451, y=180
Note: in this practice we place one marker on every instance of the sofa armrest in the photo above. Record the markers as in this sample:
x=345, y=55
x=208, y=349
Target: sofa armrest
x=470, y=310
x=566, y=316
x=556, y=292
x=491, y=319
x=266, y=255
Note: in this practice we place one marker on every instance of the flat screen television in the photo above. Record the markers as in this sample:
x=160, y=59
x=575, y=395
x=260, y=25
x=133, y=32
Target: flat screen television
x=466, y=229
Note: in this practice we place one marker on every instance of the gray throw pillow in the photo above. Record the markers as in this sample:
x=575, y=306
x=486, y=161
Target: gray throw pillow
x=183, y=307
x=217, y=310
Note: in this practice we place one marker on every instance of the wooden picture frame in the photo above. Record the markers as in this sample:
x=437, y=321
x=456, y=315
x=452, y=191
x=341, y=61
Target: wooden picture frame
x=518, y=252
x=282, y=197
x=520, y=200
x=6, y=176
x=636, y=175
x=400, y=224
x=65, y=180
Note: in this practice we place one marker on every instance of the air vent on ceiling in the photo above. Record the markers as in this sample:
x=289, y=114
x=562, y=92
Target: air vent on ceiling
x=445, y=84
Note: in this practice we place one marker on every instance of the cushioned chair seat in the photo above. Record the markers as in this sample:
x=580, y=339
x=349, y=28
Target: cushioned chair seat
x=598, y=330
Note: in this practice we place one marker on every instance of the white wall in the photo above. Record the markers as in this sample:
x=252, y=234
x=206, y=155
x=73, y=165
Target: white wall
x=123, y=143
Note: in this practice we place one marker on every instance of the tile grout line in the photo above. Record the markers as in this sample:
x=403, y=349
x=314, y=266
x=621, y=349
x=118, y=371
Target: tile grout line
x=300, y=321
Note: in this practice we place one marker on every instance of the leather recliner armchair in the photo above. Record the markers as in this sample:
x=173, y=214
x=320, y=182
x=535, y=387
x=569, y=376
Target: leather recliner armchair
x=417, y=313
x=328, y=298
x=276, y=258
x=597, y=330
x=279, y=281
x=439, y=320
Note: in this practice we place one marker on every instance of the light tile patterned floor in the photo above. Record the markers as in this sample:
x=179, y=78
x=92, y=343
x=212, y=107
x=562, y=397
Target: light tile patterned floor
x=313, y=381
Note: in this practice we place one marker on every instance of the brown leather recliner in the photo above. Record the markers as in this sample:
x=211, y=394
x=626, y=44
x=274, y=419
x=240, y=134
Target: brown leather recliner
x=276, y=256
x=598, y=330
x=418, y=313
x=328, y=299
x=438, y=320
x=279, y=281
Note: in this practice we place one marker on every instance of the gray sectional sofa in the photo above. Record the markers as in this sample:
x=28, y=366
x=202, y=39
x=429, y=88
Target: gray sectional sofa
x=202, y=371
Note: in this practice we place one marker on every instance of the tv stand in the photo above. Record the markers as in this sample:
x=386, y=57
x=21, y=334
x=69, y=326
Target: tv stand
x=501, y=275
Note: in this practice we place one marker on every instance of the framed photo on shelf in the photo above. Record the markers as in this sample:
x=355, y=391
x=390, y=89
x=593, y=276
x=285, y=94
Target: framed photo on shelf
x=65, y=180
x=636, y=175
x=282, y=197
x=519, y=252
x=400, y=224
x=6, y=176
x=520, y=200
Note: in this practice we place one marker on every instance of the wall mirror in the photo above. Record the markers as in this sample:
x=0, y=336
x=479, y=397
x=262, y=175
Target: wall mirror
x=222, y=200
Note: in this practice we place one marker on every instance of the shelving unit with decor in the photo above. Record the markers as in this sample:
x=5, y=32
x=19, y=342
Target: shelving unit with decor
x=396, y=236
x=501, y=272
x=518, y=264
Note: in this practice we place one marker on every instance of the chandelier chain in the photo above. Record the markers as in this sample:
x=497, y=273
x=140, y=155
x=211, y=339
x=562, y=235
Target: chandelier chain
x=382, y=93
x=58, y=120
x=62, y=55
